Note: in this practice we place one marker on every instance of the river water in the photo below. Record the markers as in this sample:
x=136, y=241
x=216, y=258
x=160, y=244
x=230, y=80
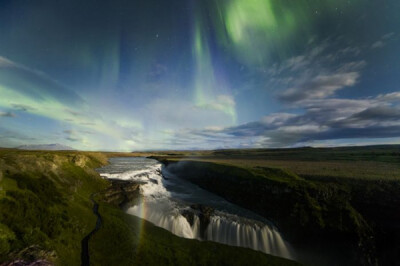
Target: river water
x=166, y=198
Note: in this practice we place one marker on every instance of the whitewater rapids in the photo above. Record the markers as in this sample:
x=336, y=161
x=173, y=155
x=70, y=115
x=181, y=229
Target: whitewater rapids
x=164, y=200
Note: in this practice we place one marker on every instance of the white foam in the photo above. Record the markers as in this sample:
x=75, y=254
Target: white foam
x=158, y=207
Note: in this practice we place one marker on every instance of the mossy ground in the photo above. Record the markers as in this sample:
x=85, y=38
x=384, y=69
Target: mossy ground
x=45, y=206
x=44, y=203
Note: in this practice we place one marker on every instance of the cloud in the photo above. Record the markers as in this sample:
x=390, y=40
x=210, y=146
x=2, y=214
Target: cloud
x=315, y=61
x=277, y=119
x=341, y=118
x=321, y=86
x=160, y=114
x=350, y=50
x=389, y=97
x=382, y=41
x=388, y=36
x=34, y=84
x=223, y=103
x=73, y=139
x=5, y=63
x=41, y=98
x=318, y=73
x=308, y=84
x=27, y=90
x=378, y=44
x=378, y=116
x=22, y=107
x=11, y=138
x=7, y=114
x=379, y=113
x=323, y=120
x=355, y=66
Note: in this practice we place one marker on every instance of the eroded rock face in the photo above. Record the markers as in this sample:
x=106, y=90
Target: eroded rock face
x=80, y=160
x=189, y=215
x=28, y=263
x=122, y=193
x=202, y=212
x=306, y=212
x=32, y=256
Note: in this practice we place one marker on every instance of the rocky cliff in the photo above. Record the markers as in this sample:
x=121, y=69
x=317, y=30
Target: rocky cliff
x=308, y=212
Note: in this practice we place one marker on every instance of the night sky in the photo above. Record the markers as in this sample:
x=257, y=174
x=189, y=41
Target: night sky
x=186, y=74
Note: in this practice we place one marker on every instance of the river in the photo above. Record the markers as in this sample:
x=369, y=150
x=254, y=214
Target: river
x=179, y=206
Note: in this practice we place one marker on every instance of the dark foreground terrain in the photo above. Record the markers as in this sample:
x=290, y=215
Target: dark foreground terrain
x=46, y=212
x=342, y=204
x=337, y=206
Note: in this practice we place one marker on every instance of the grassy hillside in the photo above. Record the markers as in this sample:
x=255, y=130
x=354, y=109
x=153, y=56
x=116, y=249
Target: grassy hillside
x=45, y=212
x=44, y=203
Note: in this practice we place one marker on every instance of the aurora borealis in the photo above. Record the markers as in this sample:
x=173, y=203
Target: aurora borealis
x=186, y=74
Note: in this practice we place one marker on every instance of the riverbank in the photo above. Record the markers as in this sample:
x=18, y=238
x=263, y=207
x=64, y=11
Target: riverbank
x=46, y=211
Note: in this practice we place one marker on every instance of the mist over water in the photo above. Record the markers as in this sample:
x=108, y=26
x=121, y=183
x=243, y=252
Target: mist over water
x=166, y=198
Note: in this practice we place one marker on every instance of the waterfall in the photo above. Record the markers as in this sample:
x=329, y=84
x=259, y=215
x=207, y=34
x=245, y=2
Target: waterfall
x=166, y=200
x=247, y=234
x=222, y=229
x=166, y=218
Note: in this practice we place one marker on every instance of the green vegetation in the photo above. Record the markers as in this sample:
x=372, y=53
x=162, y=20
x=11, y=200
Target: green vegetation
x=44, y=204
x=338, y=195
x=370, y=162
x=45, y=212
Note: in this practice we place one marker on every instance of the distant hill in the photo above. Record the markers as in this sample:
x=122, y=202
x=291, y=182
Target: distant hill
x=48, y=147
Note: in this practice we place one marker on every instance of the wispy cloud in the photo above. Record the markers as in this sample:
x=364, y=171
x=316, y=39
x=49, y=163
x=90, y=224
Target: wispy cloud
x=324, y=119
x=320, y=86
x=382, y=41
x=378, y=44
x=223, y=103
x=318, y=73
x=38, y=96
x=7, y=114
x=22, y=107
x=309, y=85
x=12, y=138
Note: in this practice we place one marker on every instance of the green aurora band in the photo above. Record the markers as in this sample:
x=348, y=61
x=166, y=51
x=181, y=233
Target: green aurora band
x=253, y=31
